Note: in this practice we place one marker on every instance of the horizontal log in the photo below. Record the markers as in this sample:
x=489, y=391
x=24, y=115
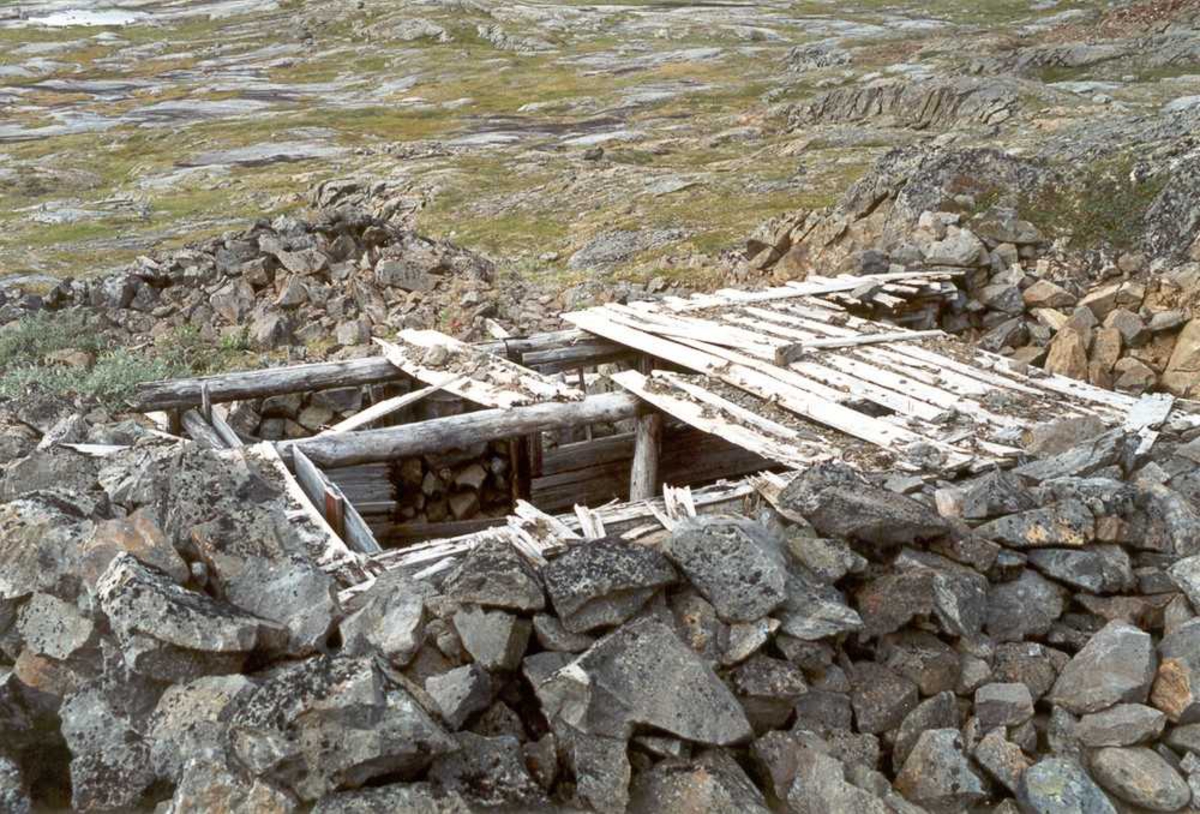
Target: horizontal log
x=560, y=349
x=253, y=384
x=460, y=431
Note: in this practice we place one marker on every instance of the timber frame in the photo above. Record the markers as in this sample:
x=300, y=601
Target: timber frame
x=699, y=389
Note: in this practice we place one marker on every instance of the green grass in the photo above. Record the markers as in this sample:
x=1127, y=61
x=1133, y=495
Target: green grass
x=26, y=345
x=1102, y=206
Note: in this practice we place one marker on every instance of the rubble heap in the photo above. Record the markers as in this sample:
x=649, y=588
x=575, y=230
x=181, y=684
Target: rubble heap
x=289, y=283
x=1025, y=639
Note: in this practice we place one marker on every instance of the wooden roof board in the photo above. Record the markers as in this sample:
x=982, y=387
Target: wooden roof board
x=480, y=377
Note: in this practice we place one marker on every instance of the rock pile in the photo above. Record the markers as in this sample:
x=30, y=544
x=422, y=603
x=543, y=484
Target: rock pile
x=1135, y=330
x=1021, y=640
x=294, y=283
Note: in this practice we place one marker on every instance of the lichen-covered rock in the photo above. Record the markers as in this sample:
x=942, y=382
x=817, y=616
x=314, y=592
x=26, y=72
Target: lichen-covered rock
x=487, y=772
x=735, y=563
x=604, y=582
x=332, y=723
x=1117, y=665
x=170, y=633
x=642, y=675
x=938, y=773
x=1121, y=725
x=839, y=502
x=417, y=798
x=1058, y=785
x=186, y=721
x=713, y=781
x=390, y=619
x=495, y=575
x=1176, y=689
x=110, y=759
x=1140, y=776
x=460, y=693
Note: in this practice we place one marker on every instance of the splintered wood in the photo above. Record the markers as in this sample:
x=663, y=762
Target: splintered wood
x=483, y=378
x=790, y=375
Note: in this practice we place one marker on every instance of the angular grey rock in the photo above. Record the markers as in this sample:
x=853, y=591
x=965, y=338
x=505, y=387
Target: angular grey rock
x=924, y=658
x=390, y=619
x=1058, y=785
x=938, y=712
x=1117, y=665
x=329, y=723
x=891, y=601
x=820, y=787
x=14, y=798
x=814, y=611
x=553, y=636
x=768, y=689
x=1099, y=569
x=1001, y=759
x=1140, y=776
x=604, y=582
x=712, y=782
x=829, y=560
x=40, y=549
x=495, y=575
x=1081, y=460
x=995, y=494
x=414, y=798
x=736, y=564
x=938, y=775
x=487, y=772
x=1003, y=705
x=1186, y=575
x=881, y=698
x=172, y=634
x=110, y=760
x=601, y=769
x=1065, y=524
x=1027, y=606
x=186, y=722
x=642, y=675
x=54, y=628
x=460, y=693
x=1122, y=725
x=839, y=502
x=495, y=639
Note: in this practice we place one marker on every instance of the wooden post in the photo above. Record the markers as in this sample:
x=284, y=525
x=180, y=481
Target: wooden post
x=647, y=443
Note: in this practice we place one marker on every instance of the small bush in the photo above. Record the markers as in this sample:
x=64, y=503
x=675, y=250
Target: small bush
x=27, y=341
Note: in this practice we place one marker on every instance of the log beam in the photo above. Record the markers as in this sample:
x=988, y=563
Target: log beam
x=459, y=431
x=643, y=474
x=553, y=350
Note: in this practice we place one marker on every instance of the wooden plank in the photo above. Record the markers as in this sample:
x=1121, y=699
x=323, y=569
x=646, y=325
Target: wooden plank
x=790, y=452
x=343, y=518
x=821, y=410
x=387, y=407
x=336, y=551
x=786, y=354
x=460, y=431
x=492, y=381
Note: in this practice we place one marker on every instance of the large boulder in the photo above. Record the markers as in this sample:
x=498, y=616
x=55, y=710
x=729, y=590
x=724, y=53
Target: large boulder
x=604, y=582
x=1117, y=665
x=172, y=634
x=642, y=675
x=332, y=723
x=839, y=502
x=735, y=563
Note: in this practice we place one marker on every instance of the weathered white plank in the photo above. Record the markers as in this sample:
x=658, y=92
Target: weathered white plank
x=320, y=491
x=491, y=380
x=788, y=451
x=388, y=406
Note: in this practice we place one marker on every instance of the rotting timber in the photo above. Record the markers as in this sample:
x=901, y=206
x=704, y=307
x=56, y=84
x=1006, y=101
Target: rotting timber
x=709, y=387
